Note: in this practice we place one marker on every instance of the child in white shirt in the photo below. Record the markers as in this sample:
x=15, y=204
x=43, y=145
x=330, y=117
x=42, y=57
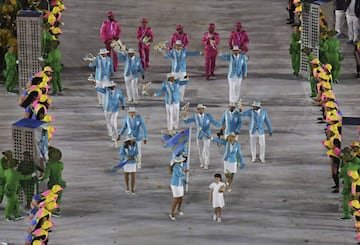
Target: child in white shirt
x=216, y=196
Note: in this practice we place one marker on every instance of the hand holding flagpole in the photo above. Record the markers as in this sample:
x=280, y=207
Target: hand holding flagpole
x=188, y=162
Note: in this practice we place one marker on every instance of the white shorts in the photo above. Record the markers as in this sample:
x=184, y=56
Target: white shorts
x=177, y=191
x=230, y=166
x=130, y=168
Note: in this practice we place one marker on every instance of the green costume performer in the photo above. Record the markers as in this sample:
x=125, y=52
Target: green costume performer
x=12, y=185
x=27, y=167
x=53, y=60
x=10, y=72
x=294, y=50
x=333, y=57
x=313, y=80
x=3, y=165
x=46, y=41
x=53, y=171
x=348, y=163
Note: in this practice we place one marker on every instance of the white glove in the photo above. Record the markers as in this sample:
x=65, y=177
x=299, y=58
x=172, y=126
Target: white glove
x=33, y=174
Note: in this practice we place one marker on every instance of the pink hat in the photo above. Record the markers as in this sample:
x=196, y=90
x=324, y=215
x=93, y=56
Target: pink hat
x=238, y=24
x=211, y=25
x=144, y=20
x=179, y=27
x=110, y=13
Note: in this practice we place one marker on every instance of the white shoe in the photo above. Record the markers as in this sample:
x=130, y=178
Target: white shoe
x=136, y=102
x=172, y=218
x=253, y=160
x=127, y=191
x=181, y=213
x=262, y=161
x=129, y=100
x=229, y=190
x=214, y=217
x=201, y=165
x=219, y=220
x=206, y=167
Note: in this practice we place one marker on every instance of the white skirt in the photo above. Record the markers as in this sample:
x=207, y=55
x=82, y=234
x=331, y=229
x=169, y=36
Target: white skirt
x=130, y=168
x=230, y=167
x=177, y=191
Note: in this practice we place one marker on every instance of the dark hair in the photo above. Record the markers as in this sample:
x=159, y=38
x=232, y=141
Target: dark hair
x=217, y=175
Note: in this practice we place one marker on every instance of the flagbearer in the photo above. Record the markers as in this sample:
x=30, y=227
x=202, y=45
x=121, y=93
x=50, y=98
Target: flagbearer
x=202, y=121
x=135, y=126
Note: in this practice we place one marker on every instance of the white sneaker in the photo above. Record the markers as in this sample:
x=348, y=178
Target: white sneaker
x=181, y=213
x=172, y=218
x=201, y=165
x=262, y=161
x=206, y=167
x=214, y=217
x=253, y=160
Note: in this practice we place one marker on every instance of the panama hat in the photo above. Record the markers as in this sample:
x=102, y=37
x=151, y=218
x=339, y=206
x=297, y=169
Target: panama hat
x=103, y=51
x=131, y=51
x=235, y=48
x=132, y=109
x=256, y=104
x=109, y=84
x=128, y=138
x=200, y=106
x=178, y=42
x=170, y=75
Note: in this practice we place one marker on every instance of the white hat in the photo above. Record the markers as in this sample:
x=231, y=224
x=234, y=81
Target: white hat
x=232, y=104
x=132, y=109
x=170, y=75
x=200, y=106
x=235, y=48
x=128, y=138
x=256, y=104
x=131, y=51
x=103, y=51
x=178, y=42
x=177, y=159
x=109, y=84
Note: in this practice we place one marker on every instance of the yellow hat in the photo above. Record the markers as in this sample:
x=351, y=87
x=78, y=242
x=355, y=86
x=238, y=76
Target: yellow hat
x=328, y=67
x=354, y=203
x=331, y=104
x=56, y=188
x=325, y=84
x=315, y=61
x=355, y=144
x=47, y=225
x=329, y=94
x=47, y=69
x=332, y=117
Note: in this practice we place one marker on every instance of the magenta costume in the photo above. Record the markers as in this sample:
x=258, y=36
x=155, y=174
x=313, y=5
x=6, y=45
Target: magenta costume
x=211, y=42
x=144, y=50
x=183, y=37
x=110, y=30
x=239, y=38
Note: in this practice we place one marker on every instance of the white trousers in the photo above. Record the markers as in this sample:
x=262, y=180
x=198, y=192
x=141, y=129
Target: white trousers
x=111, y=123
x=172, y=116
x=138, y=158
x=203, y=146
x=339, y=21
x=131, y=85
x=253, y=141
x=234, y=89
x=181, y=75
x=353, y=26
x=100, y=96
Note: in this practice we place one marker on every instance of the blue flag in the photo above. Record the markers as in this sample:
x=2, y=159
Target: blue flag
x=177, y=142
x=120, y=165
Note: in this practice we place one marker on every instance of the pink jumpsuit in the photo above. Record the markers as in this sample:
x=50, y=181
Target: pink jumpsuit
x=239, y=39
x=183, y=37
x=210, y=52
x=144, y=50
x=110, y=30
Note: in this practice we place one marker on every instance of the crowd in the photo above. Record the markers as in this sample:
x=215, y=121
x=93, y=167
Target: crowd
x=323, y=72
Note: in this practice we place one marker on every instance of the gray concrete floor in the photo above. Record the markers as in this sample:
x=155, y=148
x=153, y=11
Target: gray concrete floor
x=285, y=201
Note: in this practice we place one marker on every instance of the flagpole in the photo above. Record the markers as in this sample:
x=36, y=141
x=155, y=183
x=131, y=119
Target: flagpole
x=188, y=162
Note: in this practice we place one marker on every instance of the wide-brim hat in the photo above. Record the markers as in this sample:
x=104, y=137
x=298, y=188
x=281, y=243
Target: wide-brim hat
x=109, y=13
x=128, y=138
x=131, y=51
x=178, y=42
x=179, y=159
x=103, y=51
x=235, y=48
x=201, y=106
x=232, y=104
x=170, y=75
x=132, y=109
x=109, y=84
x=48, y=69
x=256, y=104
x=179, y=27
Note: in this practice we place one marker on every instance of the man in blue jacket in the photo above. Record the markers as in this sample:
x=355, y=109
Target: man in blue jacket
x=171, y=89
x=257, y=118
x=104, y=70
x=134, y=126
x=112, y=98
x=237, y=72
x=132, y=66
x=231, y=121
x=178, y=63
x=203, y=121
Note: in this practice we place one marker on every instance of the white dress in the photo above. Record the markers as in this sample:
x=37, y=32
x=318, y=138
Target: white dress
x=217, y=197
